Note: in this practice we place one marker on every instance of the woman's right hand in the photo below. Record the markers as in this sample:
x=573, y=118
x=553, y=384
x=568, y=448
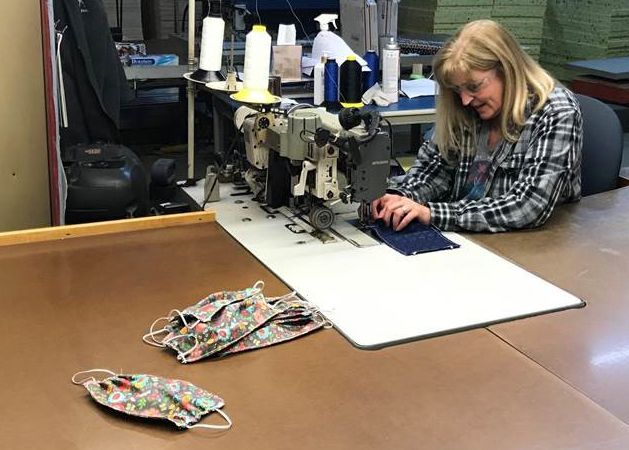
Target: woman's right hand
x=390, y=209
x=379, y=206
x=398, y=211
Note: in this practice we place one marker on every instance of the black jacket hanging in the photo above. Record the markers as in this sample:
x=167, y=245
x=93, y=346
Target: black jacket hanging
x=93, y=76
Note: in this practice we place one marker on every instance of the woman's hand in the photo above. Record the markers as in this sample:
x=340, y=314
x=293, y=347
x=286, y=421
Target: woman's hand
x=397, y=211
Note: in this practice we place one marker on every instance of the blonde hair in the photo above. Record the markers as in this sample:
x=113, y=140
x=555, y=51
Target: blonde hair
x=485, y=45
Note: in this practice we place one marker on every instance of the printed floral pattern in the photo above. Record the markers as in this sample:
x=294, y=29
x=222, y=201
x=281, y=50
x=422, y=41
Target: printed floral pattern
x=205, y=309
x=296, y=320
x=229, y=322
x=151, y=396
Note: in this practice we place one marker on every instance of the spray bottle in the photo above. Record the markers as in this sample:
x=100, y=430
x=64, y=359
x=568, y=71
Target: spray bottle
x=319, y=83
x=325, y=20
x=328, y=42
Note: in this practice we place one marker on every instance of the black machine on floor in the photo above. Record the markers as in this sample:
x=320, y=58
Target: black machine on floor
x=105, y=182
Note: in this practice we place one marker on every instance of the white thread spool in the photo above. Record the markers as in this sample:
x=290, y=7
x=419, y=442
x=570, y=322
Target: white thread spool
x=257, y=67
x=257, y=59
x=212, y=44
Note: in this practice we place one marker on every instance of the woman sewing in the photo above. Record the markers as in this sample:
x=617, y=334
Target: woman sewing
x=507, y=143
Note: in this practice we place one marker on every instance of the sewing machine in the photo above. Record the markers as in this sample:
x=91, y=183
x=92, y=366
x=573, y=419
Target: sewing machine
x=308, y=159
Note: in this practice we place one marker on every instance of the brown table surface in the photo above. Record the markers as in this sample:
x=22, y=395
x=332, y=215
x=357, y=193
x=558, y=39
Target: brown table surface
x=584, y=249
x=84, y=303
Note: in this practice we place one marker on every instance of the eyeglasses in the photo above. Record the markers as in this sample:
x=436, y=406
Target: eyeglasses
x=472, y=87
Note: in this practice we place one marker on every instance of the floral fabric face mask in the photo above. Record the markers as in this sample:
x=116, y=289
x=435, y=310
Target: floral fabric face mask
x=296, y=319
x=205, y=309
x=232, y=321
x=154, y=397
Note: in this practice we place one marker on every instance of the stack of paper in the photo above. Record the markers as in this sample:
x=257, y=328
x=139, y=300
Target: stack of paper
x=417, y=88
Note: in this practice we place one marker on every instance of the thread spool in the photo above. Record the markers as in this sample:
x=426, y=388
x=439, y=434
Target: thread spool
x=350, y=83
x=373, y=62
x=210, y=59
x=257, y=68
x=212, y=43
x=331, y=83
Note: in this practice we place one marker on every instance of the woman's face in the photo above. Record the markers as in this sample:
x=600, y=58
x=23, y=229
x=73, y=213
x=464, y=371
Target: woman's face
x=481, y=90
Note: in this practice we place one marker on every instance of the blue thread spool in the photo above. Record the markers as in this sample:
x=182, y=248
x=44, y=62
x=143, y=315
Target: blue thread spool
x=331, y=82
x=373, y=62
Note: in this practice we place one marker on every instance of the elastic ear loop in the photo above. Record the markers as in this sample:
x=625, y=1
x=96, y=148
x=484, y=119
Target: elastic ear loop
x=282, y=297
x=151, y=334
x=149, y=337
x=317, y=315
x=287, y=301
x=90, y=378
x=326, y=323
x=182, y=356
x=310, y=310
x=258, y=285
x=215, y=427
x=317, y=312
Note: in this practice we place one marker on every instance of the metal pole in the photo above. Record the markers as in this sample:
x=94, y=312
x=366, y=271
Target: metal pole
x=121, y=13
x=191, y=88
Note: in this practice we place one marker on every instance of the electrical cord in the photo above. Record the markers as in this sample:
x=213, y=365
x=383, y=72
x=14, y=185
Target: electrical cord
x=298, y=106
x=300, y=24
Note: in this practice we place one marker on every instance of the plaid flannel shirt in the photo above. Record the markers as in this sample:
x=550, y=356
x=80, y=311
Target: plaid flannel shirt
x=527, y=178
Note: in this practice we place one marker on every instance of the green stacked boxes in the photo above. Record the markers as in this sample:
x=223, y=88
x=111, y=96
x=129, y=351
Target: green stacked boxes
x=440, y=16
x=450, y=15
x=583, y=29
x=553, y=31
x=524, y=19
x=618, y=44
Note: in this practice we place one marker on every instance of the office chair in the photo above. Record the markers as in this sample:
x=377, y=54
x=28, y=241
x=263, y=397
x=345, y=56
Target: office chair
x=602, y=146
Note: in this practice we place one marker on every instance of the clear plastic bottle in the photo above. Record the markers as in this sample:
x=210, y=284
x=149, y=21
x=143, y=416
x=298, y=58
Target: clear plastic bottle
x=319, y=83
x=391, y=69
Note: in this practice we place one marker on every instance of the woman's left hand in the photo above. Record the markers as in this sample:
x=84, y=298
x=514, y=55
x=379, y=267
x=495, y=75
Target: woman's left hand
x=398, y=211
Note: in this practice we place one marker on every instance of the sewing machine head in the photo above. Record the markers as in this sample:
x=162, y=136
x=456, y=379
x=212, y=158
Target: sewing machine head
x=309, y=159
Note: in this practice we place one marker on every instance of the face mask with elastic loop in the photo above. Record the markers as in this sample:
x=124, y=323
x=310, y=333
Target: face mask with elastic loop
x=205, y=309
x=230, y=322
x=295, y=318
x=154, y=397
x=182, y=327
x=233, y=323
